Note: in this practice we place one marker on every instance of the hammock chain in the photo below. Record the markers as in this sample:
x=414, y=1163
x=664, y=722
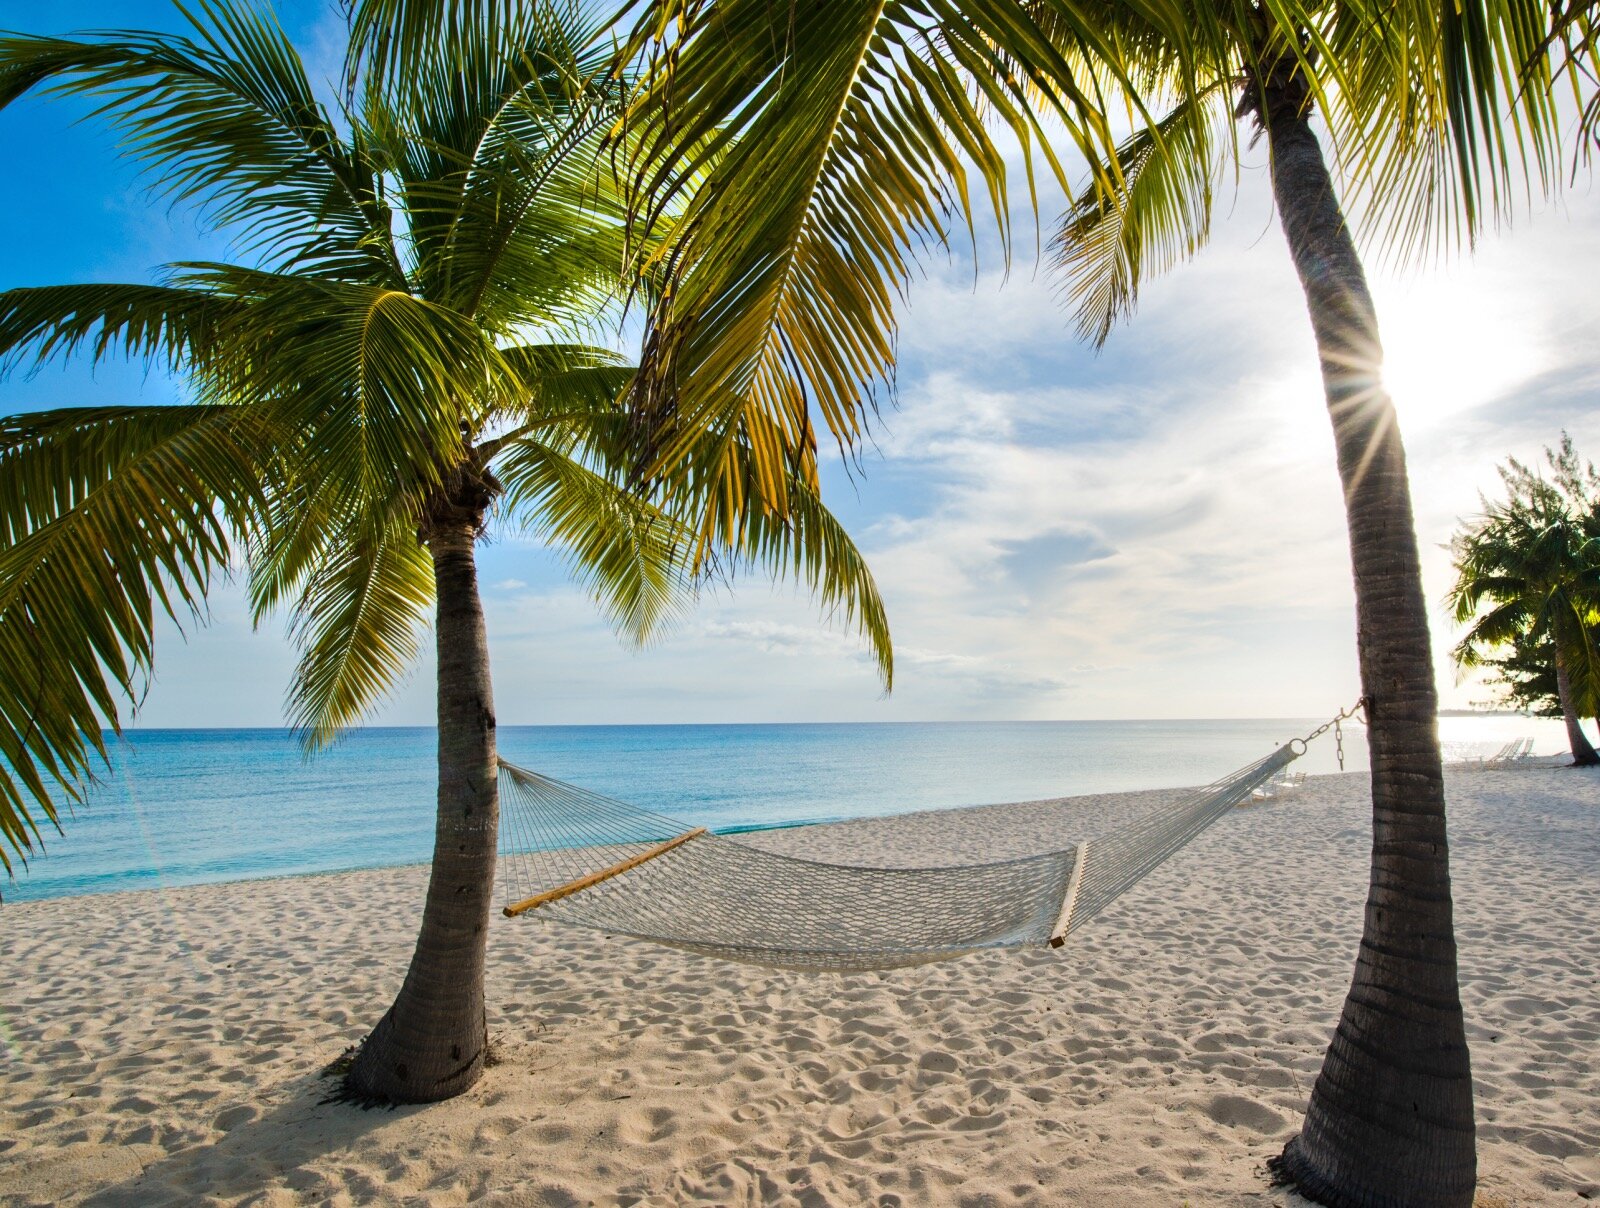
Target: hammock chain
x=1334, y=724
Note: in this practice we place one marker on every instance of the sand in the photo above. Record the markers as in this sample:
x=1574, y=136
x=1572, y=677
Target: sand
x=166, y=1047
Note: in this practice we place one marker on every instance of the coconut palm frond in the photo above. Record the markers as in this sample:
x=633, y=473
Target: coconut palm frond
x=514, y=214
x=571, y=396
x=631, y=556
x=109, y=519
x=1160, y=214
x=811, y=547
x=377, y=378
x=227, y=118
x=823, y=154
x=1449, y=120
x=359, y=621
x=155, y=323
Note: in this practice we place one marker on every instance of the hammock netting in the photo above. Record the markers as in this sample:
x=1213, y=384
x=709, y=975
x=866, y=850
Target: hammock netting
x=642, y=875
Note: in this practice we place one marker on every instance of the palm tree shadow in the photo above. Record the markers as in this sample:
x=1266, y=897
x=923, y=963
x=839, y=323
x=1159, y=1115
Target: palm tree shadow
x=269, y=1150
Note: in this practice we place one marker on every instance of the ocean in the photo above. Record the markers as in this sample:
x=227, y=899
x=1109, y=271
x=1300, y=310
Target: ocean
x=182, y=807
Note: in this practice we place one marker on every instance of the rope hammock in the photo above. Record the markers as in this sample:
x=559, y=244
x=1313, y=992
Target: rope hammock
x=579, y=858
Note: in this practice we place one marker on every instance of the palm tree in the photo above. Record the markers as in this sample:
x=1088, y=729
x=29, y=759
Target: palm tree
x=1390, y=1119
x=1528, y=573
x=819, y=145
x=399, y=367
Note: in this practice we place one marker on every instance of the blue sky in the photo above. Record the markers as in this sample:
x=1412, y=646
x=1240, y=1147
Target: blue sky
x=1153, y=531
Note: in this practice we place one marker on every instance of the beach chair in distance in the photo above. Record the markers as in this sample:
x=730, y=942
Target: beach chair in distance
x=1515, y=750
x=1283, y=782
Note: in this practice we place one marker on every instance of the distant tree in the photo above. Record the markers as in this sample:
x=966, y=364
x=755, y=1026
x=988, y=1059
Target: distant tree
x=1525, y=676
x=1528, y=579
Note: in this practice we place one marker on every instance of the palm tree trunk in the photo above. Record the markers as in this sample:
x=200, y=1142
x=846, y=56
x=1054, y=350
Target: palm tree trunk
x=1583, y=755
x=433, y=1041
x=1390, y=1118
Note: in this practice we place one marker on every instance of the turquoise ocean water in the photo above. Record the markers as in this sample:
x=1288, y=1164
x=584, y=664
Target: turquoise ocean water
x=181, y=807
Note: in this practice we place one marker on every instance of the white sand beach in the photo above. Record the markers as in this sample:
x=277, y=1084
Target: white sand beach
x=166, y=1047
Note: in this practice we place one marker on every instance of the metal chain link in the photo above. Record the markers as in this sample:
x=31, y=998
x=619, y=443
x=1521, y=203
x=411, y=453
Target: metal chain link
x=1335, y=725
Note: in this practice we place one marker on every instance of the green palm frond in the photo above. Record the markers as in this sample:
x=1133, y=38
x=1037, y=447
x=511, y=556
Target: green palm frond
x=631, y=556
x=151, y=322
x=302, y=521
x=811, y=547
x=227, y=118
x=1160, y=214
x=1502, y=624
x=805, y=543
x=514, y=214
x=109, y=518
x=388, y=36
x=359, y=621
x=378, y=378
x=1572, y=628
x=823, y=154
x=576, y=390
x=1449, y=119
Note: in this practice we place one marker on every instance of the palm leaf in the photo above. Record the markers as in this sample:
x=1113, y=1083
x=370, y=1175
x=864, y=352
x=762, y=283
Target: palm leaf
x=512, y=211
x=1112, y=239
x=810, y=546
x=377, y=381
x=156, y=323
x=824, y=151
x=108, y=518
x=633, y=558
x=228, y=119
x=359, y=620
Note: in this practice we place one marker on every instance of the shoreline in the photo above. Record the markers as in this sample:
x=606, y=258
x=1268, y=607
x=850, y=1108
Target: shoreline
x=7, y=901
x=197, y=809
x=167, y=1043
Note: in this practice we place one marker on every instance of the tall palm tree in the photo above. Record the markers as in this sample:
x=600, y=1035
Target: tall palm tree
x=824, y=141
x=398, y=368
x=1390, y=1119
x=1528, y=571
x=1410, y=99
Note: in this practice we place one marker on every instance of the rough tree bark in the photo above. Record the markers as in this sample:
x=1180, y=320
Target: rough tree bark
x=433, y=1041
x=1583, y=755
x=1390, y=1119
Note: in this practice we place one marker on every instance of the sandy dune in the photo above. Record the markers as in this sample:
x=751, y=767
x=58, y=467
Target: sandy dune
x=165, y=1047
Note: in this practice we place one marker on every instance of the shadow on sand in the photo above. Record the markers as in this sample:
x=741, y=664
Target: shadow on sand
x=275, y=1148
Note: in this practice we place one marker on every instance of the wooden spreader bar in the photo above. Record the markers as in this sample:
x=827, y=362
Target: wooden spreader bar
x=1058, y=933
x=604, y=874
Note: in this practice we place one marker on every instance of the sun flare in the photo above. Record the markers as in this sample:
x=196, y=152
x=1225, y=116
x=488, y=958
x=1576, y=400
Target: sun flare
x=1450, y=348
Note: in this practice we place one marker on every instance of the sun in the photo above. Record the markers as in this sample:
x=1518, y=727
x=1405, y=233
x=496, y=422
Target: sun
x=1450, y=346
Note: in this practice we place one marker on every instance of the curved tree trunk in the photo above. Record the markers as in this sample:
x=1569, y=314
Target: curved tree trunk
x=1390, y=1118
x=433, y=1041
x=1583, y=755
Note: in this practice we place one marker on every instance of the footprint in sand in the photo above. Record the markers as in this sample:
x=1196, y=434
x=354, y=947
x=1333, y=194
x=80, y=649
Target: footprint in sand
x=1235, y=1111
